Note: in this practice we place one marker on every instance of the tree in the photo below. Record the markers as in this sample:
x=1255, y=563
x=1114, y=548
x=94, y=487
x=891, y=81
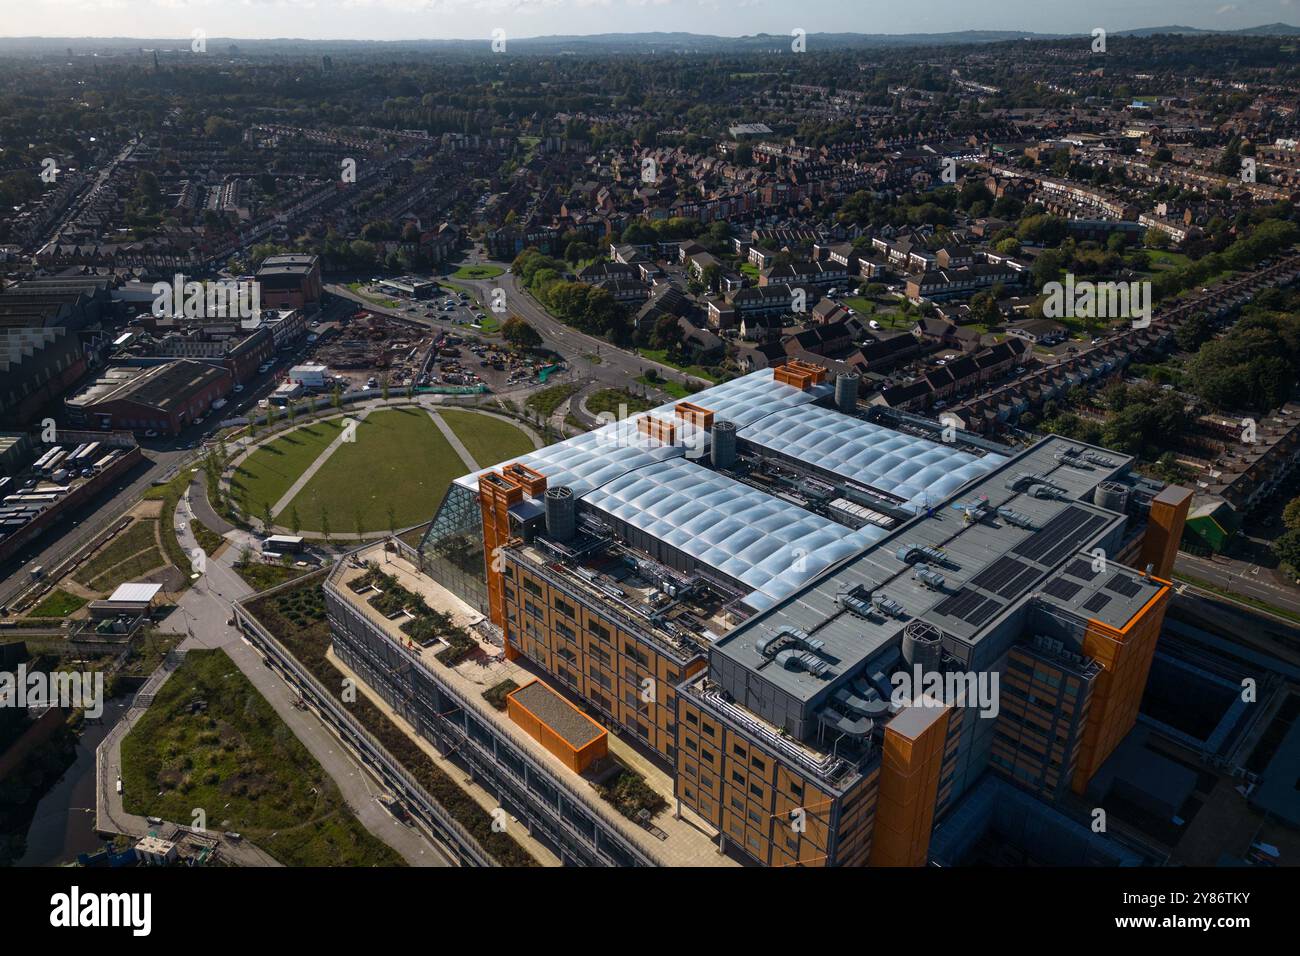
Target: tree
x=325, y=523
x=336, y=397
x=266, y=517
x=392, y=520
x=295, y=522
x=520, y=334
x=1291, y=515
x=358, y=522
x=1286, y=548
x=383, y=386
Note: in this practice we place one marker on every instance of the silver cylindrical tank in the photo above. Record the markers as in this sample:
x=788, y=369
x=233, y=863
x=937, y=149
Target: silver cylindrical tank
x=923, y=645
x=723, y=450
x=1111, y=495
x=561, y=513
x=846, y=392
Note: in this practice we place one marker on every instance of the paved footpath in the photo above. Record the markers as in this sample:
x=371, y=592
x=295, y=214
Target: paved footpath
x=201, y=615
x=316, y=465
x=455, y=442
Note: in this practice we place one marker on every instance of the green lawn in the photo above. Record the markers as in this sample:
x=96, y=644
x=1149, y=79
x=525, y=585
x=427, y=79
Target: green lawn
x=132, y=569
x=1163, y=259
x=662, y=357
x=399, y=458
x=236, y=760
x=478, y=272
x=58, y=603
x=489, y=440
x=267, y=473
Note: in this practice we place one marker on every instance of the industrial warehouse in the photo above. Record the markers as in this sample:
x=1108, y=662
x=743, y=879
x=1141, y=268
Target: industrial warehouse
x=733, y=589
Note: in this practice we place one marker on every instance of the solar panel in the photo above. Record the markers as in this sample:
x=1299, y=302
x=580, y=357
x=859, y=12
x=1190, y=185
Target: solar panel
x=1081, y=569
x=1121, y=584
x=1062, y=589
x=999, y=573
x=1096, y=602
x=1020, y=583
x=960, y=604
x=1063, y=534
x=983, y=612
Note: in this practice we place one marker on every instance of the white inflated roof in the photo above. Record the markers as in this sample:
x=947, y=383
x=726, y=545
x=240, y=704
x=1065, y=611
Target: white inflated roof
x=596, y=457
x=767, y=544
x=917, y=470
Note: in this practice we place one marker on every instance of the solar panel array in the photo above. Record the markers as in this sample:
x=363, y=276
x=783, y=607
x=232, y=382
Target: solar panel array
x=1062, y=589
x=1096, y=602
x=1081, y=569
x=1006, y=577
x=1063, y=534
x=969, y=606
x=1122, y=584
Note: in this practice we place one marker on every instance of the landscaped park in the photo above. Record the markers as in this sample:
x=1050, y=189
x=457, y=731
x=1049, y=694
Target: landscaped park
x=387, y=472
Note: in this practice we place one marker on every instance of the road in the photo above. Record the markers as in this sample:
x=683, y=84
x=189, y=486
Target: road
x=163, y=456
x=1239, y=577
x=616, y=367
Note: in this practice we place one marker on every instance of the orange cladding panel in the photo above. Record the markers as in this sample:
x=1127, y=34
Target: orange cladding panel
x=1125, y=657
x=911, y=760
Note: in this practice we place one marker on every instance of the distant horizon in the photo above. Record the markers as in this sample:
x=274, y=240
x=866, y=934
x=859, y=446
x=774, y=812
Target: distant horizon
x=628, y=33
x=395, y=21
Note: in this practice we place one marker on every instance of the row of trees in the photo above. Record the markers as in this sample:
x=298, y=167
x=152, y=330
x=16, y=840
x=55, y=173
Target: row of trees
x=586, y=307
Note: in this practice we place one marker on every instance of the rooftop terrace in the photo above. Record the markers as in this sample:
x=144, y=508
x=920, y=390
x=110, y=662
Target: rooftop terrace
x=687, y=841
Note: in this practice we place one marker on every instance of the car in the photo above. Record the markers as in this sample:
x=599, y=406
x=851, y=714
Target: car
x=151, y=434
x=238, y=388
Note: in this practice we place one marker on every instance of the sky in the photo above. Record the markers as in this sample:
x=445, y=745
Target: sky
x=467, y=19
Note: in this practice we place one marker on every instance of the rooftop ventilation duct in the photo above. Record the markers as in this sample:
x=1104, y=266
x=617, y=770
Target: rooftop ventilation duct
x=722, y=451
x=929, y=577
x=912, y=553
x=1016, y=518
x=561, y=513
x=922, y=645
